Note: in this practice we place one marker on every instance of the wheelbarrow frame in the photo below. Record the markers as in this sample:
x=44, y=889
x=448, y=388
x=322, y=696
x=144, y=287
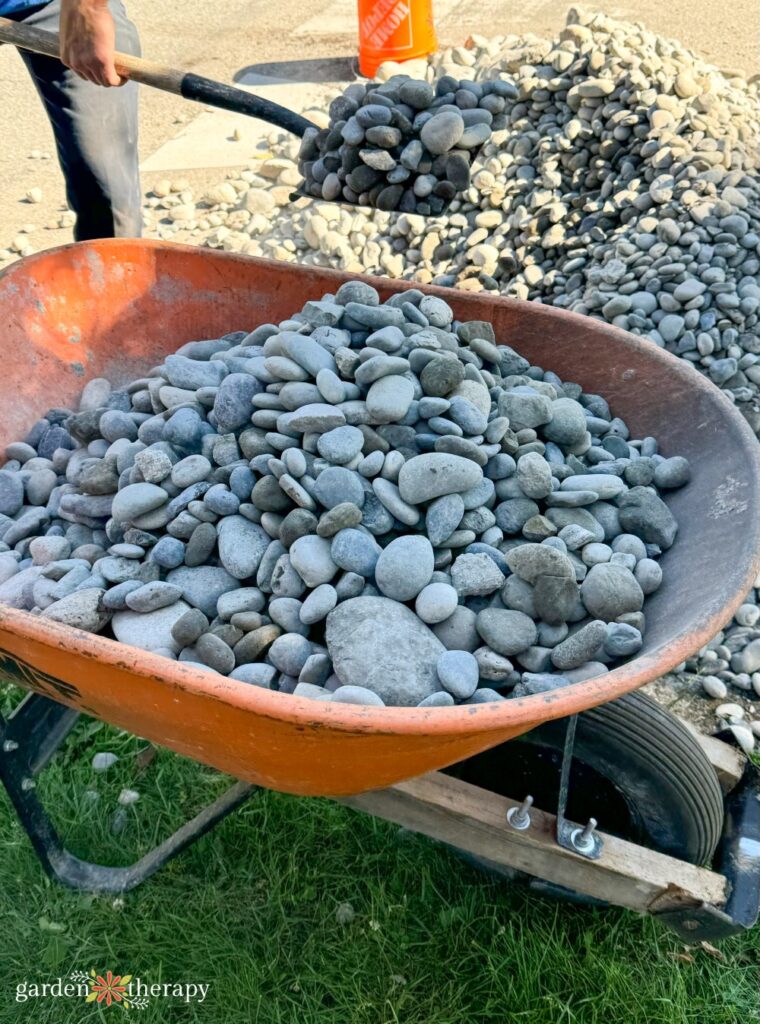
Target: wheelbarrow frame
x=82, y=309
x=698, y=903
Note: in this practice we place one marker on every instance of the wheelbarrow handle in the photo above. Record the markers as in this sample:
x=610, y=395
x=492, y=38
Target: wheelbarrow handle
x=168, y=79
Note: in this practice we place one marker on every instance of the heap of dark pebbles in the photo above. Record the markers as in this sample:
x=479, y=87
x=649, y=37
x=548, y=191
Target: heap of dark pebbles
x=404, y=144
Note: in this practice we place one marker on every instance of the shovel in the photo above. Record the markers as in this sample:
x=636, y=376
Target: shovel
x=207, y=91
x=168, y=79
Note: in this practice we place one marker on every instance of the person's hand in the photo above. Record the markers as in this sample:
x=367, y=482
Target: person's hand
x=88, y=39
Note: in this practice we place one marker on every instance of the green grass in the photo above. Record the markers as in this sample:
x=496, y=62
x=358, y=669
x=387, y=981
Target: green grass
x=252, y=910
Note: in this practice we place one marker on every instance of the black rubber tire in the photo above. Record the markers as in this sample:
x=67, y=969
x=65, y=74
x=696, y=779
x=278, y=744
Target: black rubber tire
x=631, y=755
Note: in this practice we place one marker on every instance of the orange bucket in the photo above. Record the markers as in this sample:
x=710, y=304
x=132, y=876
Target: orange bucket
x=394, y=30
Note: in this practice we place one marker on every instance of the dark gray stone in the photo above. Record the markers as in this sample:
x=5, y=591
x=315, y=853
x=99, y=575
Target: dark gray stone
x=11, y=493
x=382, y=645
x=611, y=590
x=580, y=647
x=645, y=515
x=336, y=484
x=622, y=640
x=505, y=631
x=355, y=551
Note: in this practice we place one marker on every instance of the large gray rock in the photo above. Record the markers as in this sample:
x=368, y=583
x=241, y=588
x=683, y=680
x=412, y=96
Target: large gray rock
x=534, y=475
x=568, y=423
x=580, y=647
x=83, y=610
x=505, y=631
x=432, y=475
x=306, y=352
x=645, y=515
x=202, y=586
x=611, y=590
x=241, y=546
x=382, y=645
x=151, y=631
x=459, y=631
x=474, y=575
x=311, y=557
x=232, y=405
x=135, y=500
x=389, y=398
x=442, y=132
x=443, y=517
x=11, y=493
x=404, y=567
x=316, y=418
x=17, y=590
x=529, y=561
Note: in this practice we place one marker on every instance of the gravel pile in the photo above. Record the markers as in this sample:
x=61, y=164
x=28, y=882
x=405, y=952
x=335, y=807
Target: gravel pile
x=624, y=185
x=402, y=144
x=369, y=503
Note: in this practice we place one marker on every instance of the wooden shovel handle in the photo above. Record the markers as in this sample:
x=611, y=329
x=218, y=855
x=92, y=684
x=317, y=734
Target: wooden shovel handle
x=168, y=79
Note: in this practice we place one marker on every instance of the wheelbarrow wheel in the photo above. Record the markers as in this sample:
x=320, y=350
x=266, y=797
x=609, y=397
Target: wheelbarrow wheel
x=636, y=769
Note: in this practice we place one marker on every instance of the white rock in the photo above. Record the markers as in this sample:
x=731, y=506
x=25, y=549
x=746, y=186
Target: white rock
x=714, y=687
x=185, y=211
x=744, y=737
x=731, y=712
x=258, y=201
x=223, y=193
x=103, y=760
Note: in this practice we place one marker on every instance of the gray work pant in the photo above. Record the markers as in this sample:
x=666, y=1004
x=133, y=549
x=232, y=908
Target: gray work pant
x=95, y=132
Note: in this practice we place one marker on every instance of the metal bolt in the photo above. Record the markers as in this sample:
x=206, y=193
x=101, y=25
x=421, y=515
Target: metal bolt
x=9, y=746
x=519, y=817
x=583, y=839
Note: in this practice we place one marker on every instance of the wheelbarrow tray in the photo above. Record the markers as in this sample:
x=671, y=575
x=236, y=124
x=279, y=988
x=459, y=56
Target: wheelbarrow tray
x=115, y=308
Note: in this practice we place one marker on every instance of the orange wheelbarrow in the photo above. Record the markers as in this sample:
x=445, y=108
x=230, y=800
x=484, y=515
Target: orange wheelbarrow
x=115, y=308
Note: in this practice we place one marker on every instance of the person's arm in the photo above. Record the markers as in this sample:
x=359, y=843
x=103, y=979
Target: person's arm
x=88, y=39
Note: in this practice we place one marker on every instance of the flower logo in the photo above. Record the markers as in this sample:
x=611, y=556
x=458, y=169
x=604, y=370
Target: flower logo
x=109, y=989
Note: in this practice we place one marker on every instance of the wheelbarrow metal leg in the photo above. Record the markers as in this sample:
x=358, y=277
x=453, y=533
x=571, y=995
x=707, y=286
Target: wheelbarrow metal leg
x=739, y=854
x=28, y=739
x=34, y=732
x=738, y=860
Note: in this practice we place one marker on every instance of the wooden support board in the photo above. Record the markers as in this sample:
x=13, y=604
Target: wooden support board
x=475, y=820
x=727, y=761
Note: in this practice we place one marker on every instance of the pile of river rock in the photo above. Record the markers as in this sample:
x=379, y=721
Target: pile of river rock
x=402, y=145
x=371, y=503
x=621, y=181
